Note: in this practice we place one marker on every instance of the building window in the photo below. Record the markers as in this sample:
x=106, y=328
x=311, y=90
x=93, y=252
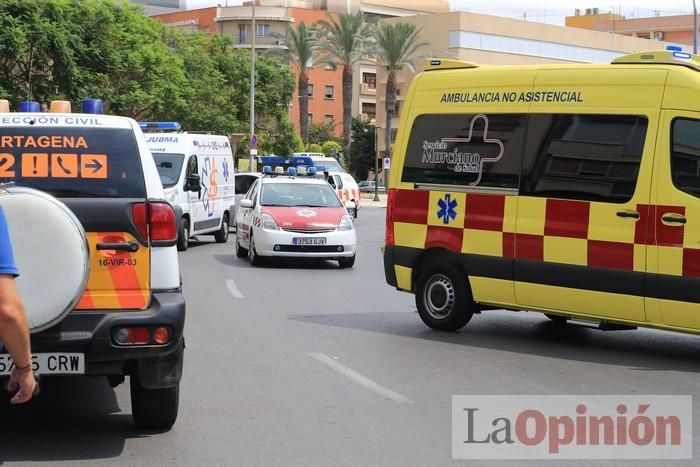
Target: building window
x=685, y=155
x=329, y=92
x=206, y=29
x=328, y=119
x=370, y=79
x=583, y=157
x=310, y=90
x=369, y=109
x=311, y=118
x=262, y=30
x=242, y=33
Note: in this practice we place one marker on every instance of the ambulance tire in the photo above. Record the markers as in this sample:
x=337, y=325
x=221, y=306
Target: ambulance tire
x=183, y=236
x=443, y=297
x=240, y=251
x=154, y=409
x=253, y=256
x=221, y=235
x=346, y=262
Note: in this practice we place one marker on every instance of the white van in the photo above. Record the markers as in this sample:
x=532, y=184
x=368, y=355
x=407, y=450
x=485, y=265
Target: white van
x=322, y=161
x=197, y=172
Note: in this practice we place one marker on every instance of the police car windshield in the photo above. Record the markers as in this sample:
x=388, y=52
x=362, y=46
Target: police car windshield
x=169, y=166
x=315, y=195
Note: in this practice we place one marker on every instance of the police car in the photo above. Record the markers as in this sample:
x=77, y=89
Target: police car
x=93, y=234
x=294, y=215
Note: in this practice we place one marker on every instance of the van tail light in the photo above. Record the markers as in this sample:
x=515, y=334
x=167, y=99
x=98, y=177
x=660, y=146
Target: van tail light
x=390, y=213
x=155, y=220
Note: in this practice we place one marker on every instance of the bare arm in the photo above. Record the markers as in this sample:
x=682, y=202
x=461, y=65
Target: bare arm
x=14, y=332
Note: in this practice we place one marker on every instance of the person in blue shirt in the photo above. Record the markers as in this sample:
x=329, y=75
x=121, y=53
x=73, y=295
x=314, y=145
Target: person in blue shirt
x=14, y=330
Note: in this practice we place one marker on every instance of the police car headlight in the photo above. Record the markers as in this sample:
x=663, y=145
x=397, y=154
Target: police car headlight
x=268, y=222
x=345, y=223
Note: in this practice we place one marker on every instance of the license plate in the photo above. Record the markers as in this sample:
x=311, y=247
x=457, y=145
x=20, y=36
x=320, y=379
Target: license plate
x=309, y=241
x=49, y=364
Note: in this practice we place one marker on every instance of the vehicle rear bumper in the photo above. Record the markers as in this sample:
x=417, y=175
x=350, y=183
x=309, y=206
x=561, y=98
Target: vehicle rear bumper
x=90, y=333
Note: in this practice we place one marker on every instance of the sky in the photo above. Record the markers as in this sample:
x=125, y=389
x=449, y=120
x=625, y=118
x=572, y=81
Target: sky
x=548, y=11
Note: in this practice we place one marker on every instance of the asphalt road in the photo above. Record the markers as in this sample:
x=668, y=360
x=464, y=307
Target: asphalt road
x=307, y=364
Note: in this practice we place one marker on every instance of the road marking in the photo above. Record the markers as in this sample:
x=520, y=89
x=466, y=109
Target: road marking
x=233, y=288
x=360, y=379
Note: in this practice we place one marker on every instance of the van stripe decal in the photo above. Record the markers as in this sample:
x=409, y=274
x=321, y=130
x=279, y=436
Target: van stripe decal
x=125, y=280
x=661, y=286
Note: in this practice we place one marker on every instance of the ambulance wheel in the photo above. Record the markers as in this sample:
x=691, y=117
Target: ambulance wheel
x=346, y=262
x=221, y=236
x=154, y=409
x=240, y=251
x=183, y=237
x=253, y=256
x=559, y=319
x=443, y=297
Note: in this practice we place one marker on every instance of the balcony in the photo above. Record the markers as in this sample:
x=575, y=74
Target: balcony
x=369, y=89
x=263, y=42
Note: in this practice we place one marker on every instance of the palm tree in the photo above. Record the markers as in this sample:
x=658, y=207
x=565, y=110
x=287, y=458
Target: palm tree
x=344, y=40
x=396, y=47
x=302, y=53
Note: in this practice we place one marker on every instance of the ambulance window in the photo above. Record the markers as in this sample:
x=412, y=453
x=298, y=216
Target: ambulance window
x=192, y=167
x=338, y=182
x=585, y=157
x=685, y=155
x=466, y=149
x=169, y=166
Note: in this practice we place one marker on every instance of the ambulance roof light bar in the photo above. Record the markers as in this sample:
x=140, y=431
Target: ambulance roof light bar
x=671, y=56
x=267, y=170
x=29, y=106
x=160, y=126
x=92, y=106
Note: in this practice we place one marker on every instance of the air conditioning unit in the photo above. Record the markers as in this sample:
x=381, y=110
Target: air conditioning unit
x=659, y=35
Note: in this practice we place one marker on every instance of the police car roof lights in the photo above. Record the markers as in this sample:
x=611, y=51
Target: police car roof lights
x=311, y=171
x=267, y=170
x=301, y=170
x=160, y=126
x=292, y=172
x=29, y=106
x=92, y=106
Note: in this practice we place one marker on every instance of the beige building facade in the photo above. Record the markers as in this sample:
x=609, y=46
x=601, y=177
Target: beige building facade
x=494, y=40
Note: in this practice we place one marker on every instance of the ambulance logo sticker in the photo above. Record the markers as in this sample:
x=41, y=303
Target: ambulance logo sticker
x=447, y=207
x=439, y=152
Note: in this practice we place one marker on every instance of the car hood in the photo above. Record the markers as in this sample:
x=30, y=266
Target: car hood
x=298, y=217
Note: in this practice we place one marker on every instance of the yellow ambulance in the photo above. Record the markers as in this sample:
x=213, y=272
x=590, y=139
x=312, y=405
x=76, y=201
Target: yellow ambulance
x=572, y=189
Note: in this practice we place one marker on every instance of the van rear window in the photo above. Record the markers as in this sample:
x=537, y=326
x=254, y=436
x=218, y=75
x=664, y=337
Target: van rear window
x=466, y=149
x=73, y=162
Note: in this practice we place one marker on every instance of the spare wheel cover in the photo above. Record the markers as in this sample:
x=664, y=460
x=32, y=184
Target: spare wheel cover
x=51, y=252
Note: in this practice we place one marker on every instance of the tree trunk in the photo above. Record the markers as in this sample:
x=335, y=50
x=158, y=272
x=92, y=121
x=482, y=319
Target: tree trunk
x=347, y=110
x=390, y=98
x=303, y=89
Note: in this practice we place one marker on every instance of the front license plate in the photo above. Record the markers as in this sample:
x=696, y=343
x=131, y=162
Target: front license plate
x=49, y=364
x=309, y=241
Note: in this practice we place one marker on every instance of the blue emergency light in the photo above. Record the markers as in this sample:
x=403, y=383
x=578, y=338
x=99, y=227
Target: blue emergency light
x=164, y=126
x=674, y=48
x=267, y=170
x=312, y=171
x=29, y=106
x=292, y=172
x=683, y=55
x=92, y=106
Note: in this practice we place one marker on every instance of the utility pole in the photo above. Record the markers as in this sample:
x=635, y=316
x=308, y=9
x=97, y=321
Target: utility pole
x=695, y=29
x=376, y=165
x=252, y=90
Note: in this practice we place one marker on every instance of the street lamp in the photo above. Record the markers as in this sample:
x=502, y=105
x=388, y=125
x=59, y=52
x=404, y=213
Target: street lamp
x=252, y=90
x=376, y=166
x=695, y=29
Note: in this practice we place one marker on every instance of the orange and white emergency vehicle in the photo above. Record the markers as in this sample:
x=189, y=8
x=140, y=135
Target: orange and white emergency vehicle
x=572, y=189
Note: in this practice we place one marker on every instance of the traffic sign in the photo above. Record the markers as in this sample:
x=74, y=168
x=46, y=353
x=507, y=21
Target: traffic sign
x=253, y=141
x=253, y=152
x=387, y=162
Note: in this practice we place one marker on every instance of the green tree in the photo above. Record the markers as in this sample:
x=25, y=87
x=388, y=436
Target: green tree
x=301, y=51
x=363, y=151
x=344, y=40
x=397, y=47
x=331, y=149
x=319, y=133
x=315, y=147
x=283, y=140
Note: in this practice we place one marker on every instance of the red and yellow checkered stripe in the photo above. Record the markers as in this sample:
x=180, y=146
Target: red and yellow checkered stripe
x=118, y=279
